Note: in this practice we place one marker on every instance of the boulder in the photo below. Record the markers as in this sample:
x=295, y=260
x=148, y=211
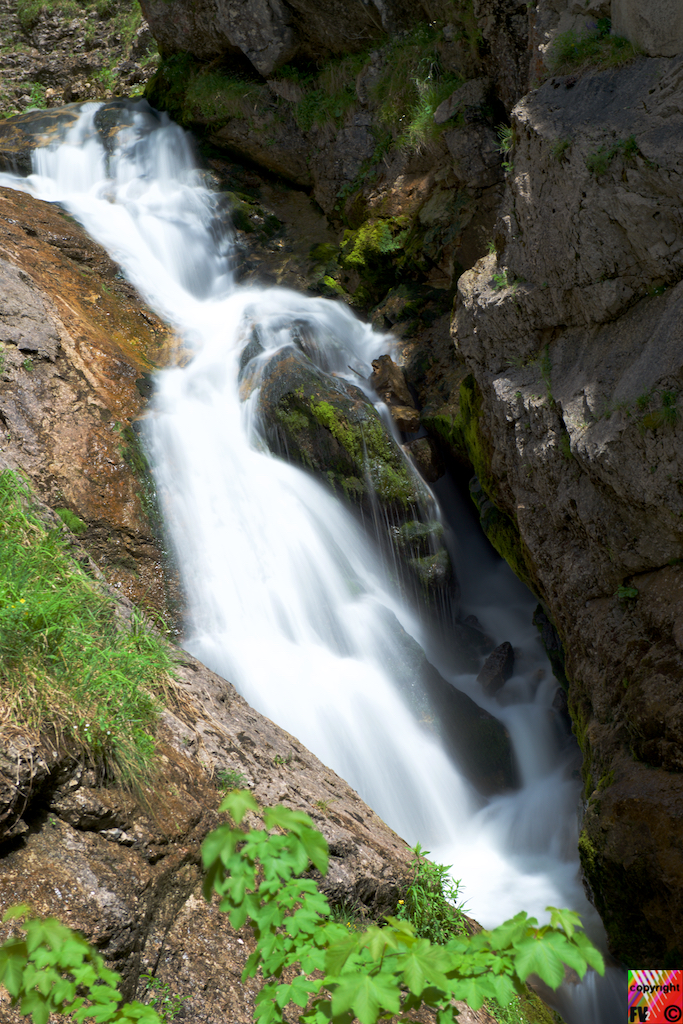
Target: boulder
x=497, y=669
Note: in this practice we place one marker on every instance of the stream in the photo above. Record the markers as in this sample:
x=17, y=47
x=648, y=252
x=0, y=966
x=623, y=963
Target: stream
x=287, y=597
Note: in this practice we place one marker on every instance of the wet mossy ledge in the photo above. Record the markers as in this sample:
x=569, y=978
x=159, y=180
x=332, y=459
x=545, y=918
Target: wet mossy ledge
x=346, y=129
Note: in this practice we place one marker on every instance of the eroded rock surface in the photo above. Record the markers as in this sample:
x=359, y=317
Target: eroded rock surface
x=75, y=346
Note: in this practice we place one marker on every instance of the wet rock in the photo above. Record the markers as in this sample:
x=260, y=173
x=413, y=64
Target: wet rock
x=388, y=381
x=330, y=427
x=573, y=417
x=425, y=455
x=497, y=669
x=477, y=740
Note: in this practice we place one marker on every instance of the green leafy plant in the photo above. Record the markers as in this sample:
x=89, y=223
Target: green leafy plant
x=283, y=762
x=49, y=968
x=599, y=162
x=500, y=280
x=565, y=445
x=506, y=137
x=430, y=901
x=624, y=593
x=66, y=656
x=262, y=876
x=342, y=974
x=560, y=148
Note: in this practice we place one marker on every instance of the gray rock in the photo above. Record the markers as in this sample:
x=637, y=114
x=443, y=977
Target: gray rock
x=472, y=94
x=653, y=26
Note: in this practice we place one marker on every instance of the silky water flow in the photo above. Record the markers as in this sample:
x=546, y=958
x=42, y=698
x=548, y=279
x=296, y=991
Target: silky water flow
x=286, y=596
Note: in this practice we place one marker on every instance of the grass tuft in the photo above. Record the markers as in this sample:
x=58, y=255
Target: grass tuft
x=68, y=661
x=594, y=48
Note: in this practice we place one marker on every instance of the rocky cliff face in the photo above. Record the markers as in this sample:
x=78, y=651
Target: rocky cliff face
x=572, y=334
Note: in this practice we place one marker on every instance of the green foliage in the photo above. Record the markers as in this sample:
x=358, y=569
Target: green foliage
x=340, y=972
x=229, y=778
x=329, y=95
x=599, y=162
x=160, y=997
x=500, y=280
x=51, y=969
x=565, y=445
x=28, y=364
x=66, y=657
x=218, y=96
x=411, y=85
x=125, y=16
x=592, y=48
x=430, y=901
x=624, y=593
x=506, y=137
x=666, y=415
x=70, y=518
x=374, y=239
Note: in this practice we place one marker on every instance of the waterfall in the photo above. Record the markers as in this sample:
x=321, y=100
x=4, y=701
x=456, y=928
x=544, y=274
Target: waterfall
x=287, y=597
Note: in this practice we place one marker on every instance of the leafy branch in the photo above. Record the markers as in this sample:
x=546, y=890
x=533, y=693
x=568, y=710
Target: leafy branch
x=371, y=973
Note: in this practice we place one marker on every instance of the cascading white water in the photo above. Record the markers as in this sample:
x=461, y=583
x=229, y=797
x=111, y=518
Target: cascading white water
x=286, y=596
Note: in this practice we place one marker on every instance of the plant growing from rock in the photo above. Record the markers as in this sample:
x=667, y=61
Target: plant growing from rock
x=595, y=48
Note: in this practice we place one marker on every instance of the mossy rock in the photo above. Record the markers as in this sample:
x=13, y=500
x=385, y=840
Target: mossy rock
x=328, y=426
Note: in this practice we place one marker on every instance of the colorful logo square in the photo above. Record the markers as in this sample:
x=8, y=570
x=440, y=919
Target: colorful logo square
x=655, y=997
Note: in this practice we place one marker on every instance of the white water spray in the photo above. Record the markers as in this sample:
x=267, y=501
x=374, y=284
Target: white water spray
x=286, y=596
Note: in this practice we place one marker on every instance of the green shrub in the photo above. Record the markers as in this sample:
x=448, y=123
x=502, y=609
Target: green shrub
x=67, y=659
x=592, y=48
x=229, y=778
x=411, y=86
x=430, y=901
